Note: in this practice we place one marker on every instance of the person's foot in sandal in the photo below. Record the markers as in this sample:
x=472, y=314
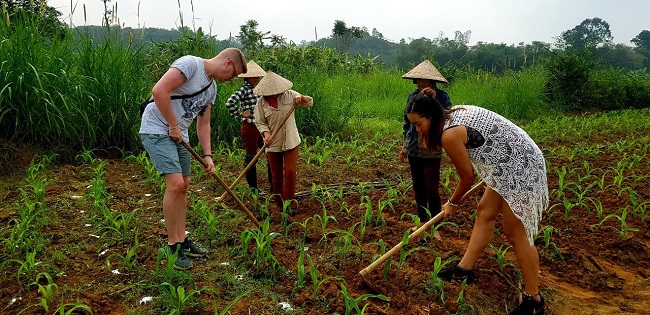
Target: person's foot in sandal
x=530, y=306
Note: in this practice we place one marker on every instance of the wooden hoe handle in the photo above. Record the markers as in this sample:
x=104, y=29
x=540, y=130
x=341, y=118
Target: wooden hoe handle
x=257, y=156
x=222, y=183
x=415, y=234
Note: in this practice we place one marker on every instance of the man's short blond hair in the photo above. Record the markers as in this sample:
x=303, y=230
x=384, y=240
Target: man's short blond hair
x=237, y=56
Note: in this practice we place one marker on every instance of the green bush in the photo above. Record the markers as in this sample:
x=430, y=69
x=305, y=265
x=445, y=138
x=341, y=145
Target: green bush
x=612, y=89
x=576, y=83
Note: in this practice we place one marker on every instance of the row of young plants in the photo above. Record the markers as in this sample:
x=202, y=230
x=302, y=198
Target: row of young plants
x=24, y=249
x=340, y=225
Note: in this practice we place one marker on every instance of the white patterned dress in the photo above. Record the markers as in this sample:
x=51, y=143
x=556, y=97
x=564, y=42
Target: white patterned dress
x=509, y=162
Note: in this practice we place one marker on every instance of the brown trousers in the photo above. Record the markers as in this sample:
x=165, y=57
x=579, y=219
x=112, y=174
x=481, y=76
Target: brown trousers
x=283, y=172
x=252, y=141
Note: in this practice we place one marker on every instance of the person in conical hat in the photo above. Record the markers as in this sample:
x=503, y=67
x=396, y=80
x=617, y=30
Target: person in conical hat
x=425, y=165
x=241, y=105
x=276, y=102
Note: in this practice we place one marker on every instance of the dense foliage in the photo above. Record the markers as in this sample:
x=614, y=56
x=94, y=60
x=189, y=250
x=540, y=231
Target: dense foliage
x=82, y=91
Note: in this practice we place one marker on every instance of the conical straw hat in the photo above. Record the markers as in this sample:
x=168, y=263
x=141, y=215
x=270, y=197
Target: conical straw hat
x=254, y=71
x=272, y=84
x=425, y=70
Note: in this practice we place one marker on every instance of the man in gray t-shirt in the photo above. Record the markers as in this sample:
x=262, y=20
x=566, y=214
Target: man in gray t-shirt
x=164, y=126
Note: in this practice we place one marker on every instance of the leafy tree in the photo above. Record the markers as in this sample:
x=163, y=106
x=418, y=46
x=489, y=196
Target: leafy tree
x=375, y=33
x=642, y=40
x=278, y=40
x=621, y=56
x=47, y=17
x=414, y=52
x=591, y=33
x=250, y=37
x=344, y=35
x=452, y=51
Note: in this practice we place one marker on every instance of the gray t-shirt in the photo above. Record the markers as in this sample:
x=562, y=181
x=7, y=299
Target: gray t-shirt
x=185, y=109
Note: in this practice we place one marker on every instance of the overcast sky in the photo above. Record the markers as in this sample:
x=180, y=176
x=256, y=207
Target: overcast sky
x=496, y=21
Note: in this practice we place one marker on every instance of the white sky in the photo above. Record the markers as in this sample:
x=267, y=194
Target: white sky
x=492, y=21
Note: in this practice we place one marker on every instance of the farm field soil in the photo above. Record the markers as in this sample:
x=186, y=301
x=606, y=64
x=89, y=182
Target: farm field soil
x=587, y=269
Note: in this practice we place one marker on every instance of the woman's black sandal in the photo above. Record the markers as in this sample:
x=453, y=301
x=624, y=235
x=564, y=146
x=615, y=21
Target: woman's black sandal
x=457, y=273
x=528, y=306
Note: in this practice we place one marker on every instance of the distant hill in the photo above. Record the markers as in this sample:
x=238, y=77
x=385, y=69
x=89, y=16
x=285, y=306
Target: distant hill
x=384, y=50
x=138, y=36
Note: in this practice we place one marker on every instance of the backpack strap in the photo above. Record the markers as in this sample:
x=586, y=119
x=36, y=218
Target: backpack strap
x=174, y=97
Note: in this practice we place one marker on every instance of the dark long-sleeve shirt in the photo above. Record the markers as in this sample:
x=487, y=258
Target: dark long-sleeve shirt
x=246, y=99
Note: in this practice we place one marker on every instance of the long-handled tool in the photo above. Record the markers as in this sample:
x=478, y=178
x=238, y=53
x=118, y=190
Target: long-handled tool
x=257, y=156
x=228, y=190
x=412, y=236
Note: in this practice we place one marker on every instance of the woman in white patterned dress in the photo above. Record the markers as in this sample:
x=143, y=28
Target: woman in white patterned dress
x=513, y=168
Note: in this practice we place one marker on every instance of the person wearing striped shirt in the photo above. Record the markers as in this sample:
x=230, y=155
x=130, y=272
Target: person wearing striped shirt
x=242, y=106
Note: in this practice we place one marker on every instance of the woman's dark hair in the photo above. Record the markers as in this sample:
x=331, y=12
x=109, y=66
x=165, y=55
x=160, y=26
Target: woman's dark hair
x=426, y=105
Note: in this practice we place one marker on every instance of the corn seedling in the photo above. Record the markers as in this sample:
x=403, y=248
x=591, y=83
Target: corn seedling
x=463, y=306
x=316, y=280
x=24, y=233
x=168, y=273
x=178, y=298
x=434, y=283
x=500, y=257
x=640, y=210
x=345, y=242
x=300, y=271
x=561, y=182
x=231, y=304
x=403, y=253
x=86, y=157
x=382, y=248
x=38, y=189
x=600, y=182
x=436, y=227
x=29, y=266
x=265, y=263
x=568, y=206
x=304, y=226
x=625, y=230
x=547, y=232
x=48, y=292
x=580, y=193
x=322, y=221
x=353, y=304
x=129, y=259
x=72, y=308
x=381, y=205
x=415, y=218
x=362, y=188
x=368, y=214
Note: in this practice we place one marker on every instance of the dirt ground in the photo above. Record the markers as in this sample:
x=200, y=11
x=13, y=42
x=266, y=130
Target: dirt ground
x=599, y=272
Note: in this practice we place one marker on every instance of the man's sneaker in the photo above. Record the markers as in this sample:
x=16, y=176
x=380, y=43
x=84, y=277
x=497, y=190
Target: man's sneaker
x=529, y=306
x=193, y=250
x=182, y=262
x=457, y=273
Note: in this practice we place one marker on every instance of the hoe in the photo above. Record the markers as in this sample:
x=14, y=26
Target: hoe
x=222, y=183
x=412, y=236
x=257, y=156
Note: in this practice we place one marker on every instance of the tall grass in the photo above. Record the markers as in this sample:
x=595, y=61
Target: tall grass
x=515, y=95
x=56, y=92
x=84, y=93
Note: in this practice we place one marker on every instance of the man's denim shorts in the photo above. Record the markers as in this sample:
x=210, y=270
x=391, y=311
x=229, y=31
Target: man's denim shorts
x=166, y=155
